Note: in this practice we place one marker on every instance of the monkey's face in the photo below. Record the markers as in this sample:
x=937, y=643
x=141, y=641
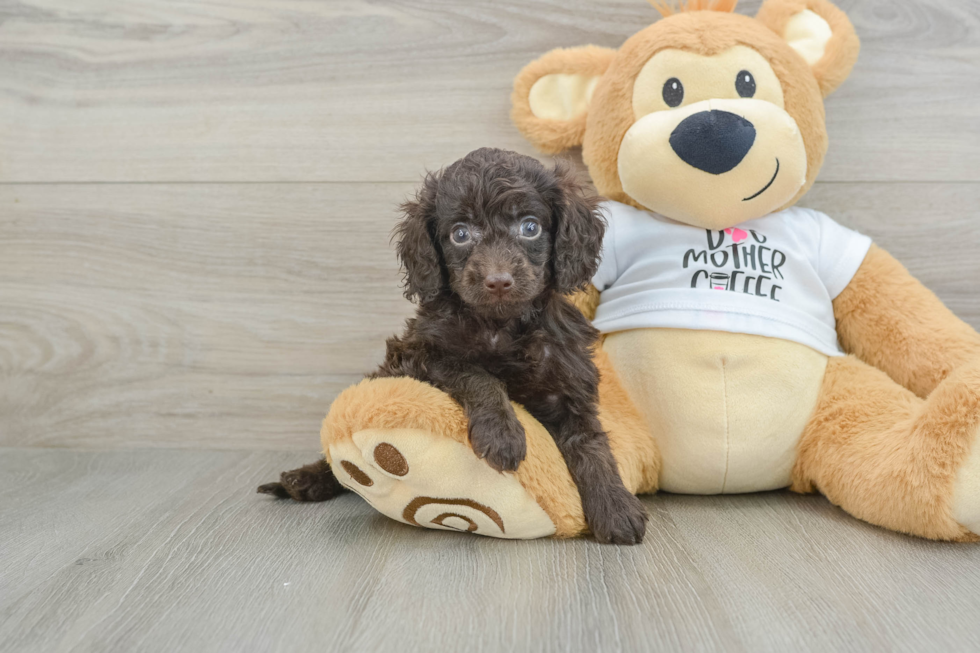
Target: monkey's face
x=711, y=144
x=707, y=118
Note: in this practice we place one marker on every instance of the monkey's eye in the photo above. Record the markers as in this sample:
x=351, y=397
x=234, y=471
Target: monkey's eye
x=530, y=228
x=745, y=84
x=461, y=234
x=673, y=92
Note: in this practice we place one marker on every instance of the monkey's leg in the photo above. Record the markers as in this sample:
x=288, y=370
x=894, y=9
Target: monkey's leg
x=893, y=459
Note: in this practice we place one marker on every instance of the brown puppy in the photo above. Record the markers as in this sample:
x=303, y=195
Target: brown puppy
x=490, y=246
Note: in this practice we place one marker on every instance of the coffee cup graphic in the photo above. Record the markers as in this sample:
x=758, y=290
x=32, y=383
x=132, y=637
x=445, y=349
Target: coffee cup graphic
x=718, y=281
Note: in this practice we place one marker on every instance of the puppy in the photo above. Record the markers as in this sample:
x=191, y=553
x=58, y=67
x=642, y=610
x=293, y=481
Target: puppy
x=490, y=246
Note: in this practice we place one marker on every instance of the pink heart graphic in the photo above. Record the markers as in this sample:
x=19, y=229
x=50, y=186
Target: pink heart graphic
x=737, y=234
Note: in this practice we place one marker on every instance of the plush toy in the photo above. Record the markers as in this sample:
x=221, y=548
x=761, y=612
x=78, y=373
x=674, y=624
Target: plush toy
x=748, y=344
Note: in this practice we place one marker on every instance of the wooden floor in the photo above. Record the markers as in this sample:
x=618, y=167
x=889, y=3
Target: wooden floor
x=195, y=206
x=167, y=551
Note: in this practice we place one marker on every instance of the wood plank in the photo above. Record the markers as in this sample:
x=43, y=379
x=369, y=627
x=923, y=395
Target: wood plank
x=230, y=316
x=172, y=550
x=203, y=316
x=364, y=90
x=795, y=573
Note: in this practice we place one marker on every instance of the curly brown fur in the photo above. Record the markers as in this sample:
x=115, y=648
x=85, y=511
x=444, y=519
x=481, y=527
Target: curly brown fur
x=490, y=246
x=313, y=482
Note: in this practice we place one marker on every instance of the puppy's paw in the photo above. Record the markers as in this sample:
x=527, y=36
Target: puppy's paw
x=499, y=440
x=616, y=517
x=314, y=482
x=275, y=489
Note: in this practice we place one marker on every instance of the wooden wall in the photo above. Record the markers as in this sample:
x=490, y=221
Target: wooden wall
x=196, y=198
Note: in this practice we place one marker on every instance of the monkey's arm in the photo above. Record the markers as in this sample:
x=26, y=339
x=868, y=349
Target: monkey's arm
x=888, y=319
x=586, y=300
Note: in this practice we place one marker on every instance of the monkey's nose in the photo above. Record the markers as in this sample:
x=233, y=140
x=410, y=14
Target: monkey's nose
x=713, y=141
x=499, y=283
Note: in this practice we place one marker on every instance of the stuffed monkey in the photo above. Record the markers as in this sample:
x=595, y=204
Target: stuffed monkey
x=749, y=344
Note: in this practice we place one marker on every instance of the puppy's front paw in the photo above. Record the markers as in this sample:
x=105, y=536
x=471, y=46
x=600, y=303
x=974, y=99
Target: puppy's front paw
x=616, y=517
x=499, y=440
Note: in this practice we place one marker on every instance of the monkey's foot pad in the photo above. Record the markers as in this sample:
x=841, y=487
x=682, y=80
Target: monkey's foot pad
x=423, y=479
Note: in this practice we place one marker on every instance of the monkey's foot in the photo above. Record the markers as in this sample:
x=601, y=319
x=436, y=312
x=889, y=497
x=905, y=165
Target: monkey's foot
x=403, y=445
x=424, y=479
x=966, y=490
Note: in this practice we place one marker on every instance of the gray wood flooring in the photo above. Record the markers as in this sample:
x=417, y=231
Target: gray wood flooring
x=168, y=551
x=195, y=206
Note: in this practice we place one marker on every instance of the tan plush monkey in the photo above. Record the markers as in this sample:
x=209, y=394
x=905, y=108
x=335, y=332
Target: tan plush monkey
x=749, y=344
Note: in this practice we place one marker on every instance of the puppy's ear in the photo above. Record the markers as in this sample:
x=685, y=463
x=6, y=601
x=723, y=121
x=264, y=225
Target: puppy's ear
x=415, y=247
x=578, y=235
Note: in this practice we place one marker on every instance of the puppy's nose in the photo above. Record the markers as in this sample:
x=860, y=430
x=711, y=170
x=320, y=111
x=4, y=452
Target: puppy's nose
x=499, y=283
x=713, y=141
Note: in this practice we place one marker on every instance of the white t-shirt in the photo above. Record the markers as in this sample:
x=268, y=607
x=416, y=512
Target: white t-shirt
x=774, y=276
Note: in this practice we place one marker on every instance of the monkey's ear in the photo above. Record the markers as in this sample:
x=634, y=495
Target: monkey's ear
x=415, y=246
x=820, y=32
x=551, y=96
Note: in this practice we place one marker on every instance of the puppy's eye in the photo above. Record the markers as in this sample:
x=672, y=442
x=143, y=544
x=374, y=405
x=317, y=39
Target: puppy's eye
x=745, y=84
x=530, y=228
x=673, y=92
x=461, y=234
